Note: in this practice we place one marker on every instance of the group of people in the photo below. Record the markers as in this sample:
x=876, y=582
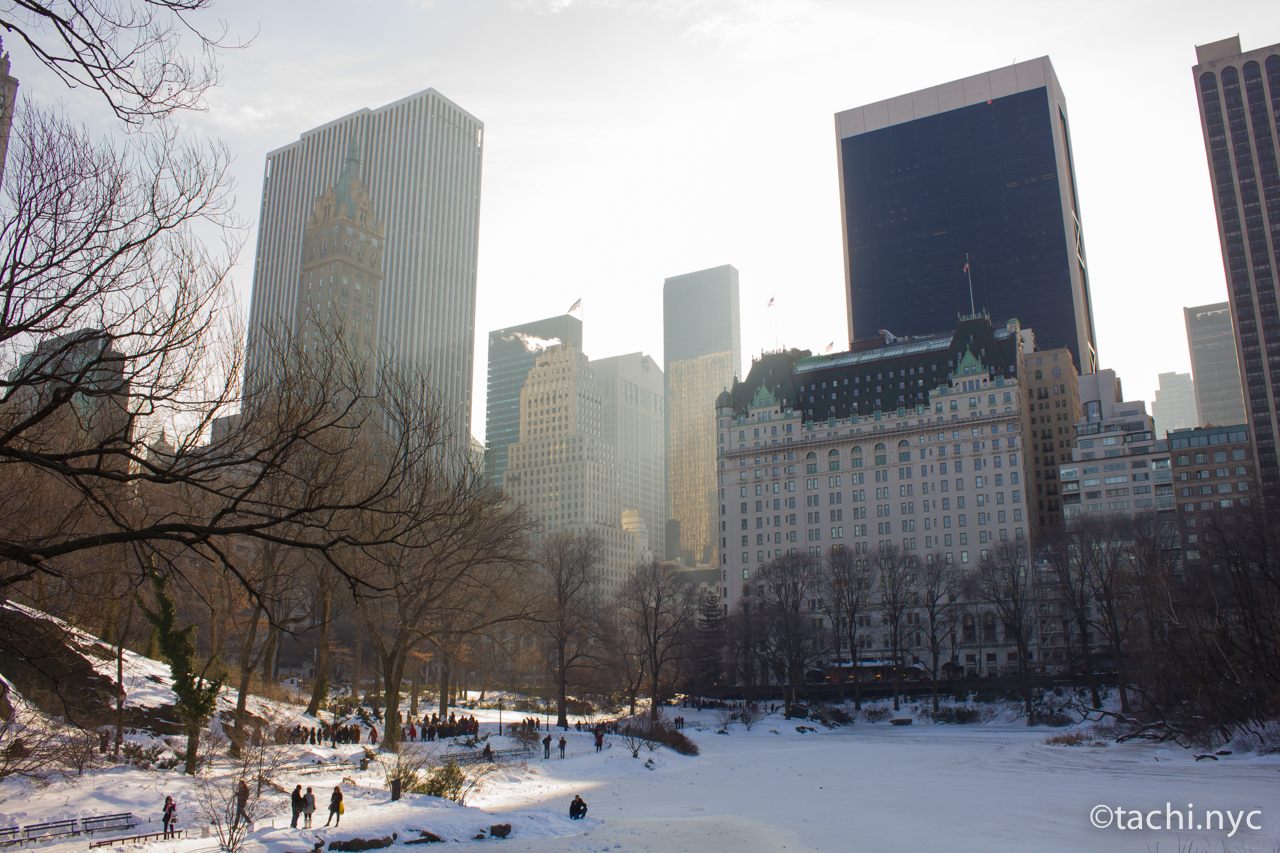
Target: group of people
x=304, y=805
x=434, y=727
x=319, y=735
x=546, y=746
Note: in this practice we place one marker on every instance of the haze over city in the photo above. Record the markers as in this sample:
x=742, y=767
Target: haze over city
x=626, y=142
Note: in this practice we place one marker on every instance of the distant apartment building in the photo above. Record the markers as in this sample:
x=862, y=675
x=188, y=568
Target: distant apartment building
x=1215, y=369
x=1119, y=466
x=702, y=351
x=944, y=479
x=1174, y=406
x=563, y=468
x=512, y=353
x=1213, y=474
x=633, y=420
x=1051, y=387
x=1238, y=93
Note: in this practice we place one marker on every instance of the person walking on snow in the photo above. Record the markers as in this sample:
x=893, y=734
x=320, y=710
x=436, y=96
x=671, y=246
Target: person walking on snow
x=167, y=817
x=242, y=803
x=546, y=747
x=335, y=807
x=295, y=806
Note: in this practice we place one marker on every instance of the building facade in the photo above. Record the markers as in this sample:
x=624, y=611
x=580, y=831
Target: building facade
x=701, y=351
x=973, y=177
x=1052, y=390
x=1239, y=93
x=1175, y=404
x=1119, y=466
x=563, y=468
x=8, y=103
x=1213, y=474
x=634, y=420
x=1215, y=370
x=421, y=164
x=944, y=480
x=341, y=278
x=512, y=353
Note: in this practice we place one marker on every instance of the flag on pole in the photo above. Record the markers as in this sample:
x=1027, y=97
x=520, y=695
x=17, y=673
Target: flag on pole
x=575, y=306
x=770, y=305
x=966, y=267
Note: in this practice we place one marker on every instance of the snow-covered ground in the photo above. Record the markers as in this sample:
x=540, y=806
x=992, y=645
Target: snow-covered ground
x=985, y=787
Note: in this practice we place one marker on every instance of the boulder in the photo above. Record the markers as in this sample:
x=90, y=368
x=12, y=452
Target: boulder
x=500, y=830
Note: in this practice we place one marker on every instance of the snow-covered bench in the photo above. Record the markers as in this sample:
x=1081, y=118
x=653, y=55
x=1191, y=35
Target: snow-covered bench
x=150, y=836
x=52, y=829
x=124, y=820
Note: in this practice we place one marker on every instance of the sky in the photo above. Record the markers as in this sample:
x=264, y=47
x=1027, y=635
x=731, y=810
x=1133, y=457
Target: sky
x=627, y=141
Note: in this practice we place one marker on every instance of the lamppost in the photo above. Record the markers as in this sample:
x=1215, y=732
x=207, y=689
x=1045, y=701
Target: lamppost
x=499, y=718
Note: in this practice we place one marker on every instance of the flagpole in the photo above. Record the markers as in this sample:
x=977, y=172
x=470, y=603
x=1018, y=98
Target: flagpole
x=969, y=275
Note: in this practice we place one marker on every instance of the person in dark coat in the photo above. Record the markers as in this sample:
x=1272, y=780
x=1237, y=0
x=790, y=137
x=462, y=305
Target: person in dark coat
x=295, y=806
x=546, y=747
x=242, y=803
x=562, y=746
x=599, y=739
x=168, y=816
x=335, y=807
x=578, y=808
x=487, y=752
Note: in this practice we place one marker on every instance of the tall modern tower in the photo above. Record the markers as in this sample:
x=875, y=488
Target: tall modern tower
x=1211, y=338
x=979, y=168
x=420, y=161
x=1239, y=104
x=1174, y=407
x=512, y=353
x=634, y=421
x=702, y=346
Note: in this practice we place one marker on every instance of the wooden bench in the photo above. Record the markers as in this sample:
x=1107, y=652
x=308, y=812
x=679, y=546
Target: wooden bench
x=150, y=836
x=477, y=756
x=10, y=834
x=52, y=829
x=124, y=820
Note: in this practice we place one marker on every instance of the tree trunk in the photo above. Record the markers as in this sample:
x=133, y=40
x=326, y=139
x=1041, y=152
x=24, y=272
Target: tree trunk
x=444, y=688
x=270, y=656
x=193, y=749
x=357, y=667
x=392, y=676
x=562, y=699
x=413, y=692
x=245, y=673
x=320, y=681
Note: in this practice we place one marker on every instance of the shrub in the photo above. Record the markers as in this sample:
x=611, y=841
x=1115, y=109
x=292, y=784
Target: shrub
x=142, y=757
x=956, y=715
x=875, y=715
x=446, y=781
x=1067, y=739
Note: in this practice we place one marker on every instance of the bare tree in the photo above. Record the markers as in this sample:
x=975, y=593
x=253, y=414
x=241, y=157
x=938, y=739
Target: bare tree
x=130, y=53
x=1006, y=579
x=658, y=606
x=938, y=591
x=1106, y=548
x=785, y=597
x=569, y=566
x=847, y=581
x=1065, y=554
x=897, y=579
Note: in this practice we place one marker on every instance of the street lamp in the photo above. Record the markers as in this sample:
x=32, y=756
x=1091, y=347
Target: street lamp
x=499, y=718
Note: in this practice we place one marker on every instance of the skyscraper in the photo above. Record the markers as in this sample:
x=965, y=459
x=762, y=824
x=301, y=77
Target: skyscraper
x=633, y=420
x=563, y=468
x=420, y=160
x=701, y=347
x=8, y=101
x=1239, y=97
x=1211, y=338
x=970, y=177
x=512, y=353
x=1174, y=407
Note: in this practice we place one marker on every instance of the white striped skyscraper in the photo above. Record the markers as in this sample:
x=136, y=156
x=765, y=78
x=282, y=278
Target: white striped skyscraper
x=420, y=159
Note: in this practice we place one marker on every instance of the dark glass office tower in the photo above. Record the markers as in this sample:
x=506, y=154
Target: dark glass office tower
x=978, y=168
x=1239, y=103
x=512, y=353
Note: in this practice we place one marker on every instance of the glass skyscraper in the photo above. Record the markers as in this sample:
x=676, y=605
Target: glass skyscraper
x=973, y=176
x=701, y=350
x=1239, y=100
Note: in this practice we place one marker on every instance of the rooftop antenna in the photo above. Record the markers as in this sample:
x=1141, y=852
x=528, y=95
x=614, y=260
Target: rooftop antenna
x=969, y=275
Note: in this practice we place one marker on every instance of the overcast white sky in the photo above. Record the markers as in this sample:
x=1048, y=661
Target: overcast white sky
x=630, y=140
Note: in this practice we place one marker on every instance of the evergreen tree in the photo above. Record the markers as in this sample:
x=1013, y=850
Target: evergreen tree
x=197, y=697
